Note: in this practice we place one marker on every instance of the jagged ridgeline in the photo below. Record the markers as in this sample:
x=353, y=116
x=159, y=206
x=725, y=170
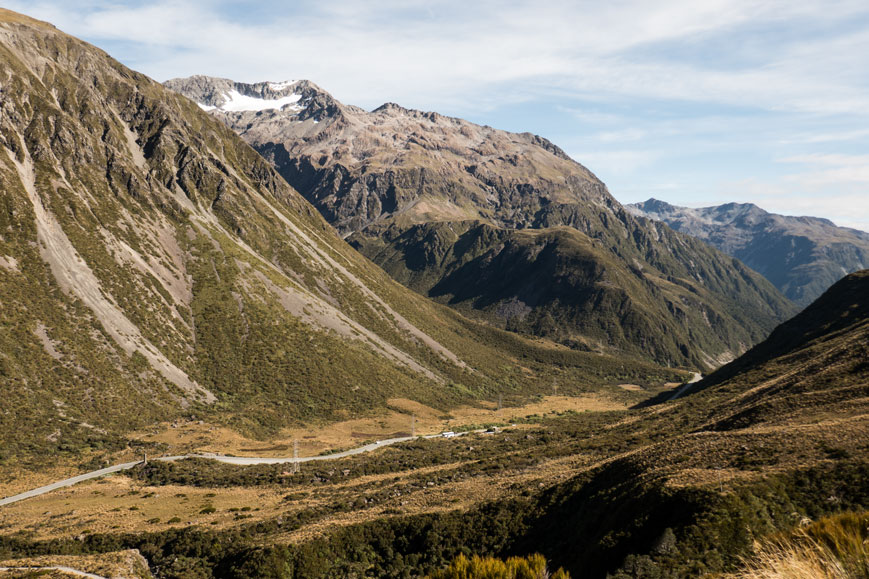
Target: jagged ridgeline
x=802, y=256
x=500, y=225
x=152, y=263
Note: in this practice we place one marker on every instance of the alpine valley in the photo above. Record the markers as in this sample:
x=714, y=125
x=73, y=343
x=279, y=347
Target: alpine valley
x=248, y=331
x=154, y=266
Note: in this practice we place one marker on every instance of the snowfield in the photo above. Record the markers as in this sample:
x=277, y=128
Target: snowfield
x=237, y=102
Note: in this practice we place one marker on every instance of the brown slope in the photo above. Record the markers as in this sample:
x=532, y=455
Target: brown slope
x=769, y=442
x=815, y=365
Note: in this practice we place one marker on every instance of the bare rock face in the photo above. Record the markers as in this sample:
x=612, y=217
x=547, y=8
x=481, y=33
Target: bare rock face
x=801, y=256
x=500, y=225
x=362, y=167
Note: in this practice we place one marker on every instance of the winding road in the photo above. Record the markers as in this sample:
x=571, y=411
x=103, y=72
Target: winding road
x=682, y=390
x=250, y=460
x=240, y=460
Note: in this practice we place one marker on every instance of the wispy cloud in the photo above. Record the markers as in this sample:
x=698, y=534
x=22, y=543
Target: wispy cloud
x=622, y=135
x=825, y=137
x=829, y=159
x=617, y=162
x=694, y=94
x=446, y=51
x=833, y=171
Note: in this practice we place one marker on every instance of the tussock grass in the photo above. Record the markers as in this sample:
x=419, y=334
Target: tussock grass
x=531, y=567
x=834, y=547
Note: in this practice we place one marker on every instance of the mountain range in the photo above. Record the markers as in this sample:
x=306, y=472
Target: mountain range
x=153, y=265
x=801, y=256
x=501, y=226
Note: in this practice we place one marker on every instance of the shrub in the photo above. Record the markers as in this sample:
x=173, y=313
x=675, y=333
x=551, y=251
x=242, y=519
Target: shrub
x=531, y=567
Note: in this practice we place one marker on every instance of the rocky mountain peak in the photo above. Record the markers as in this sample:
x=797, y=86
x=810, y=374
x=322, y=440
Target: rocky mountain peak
x=391, y=108
x=653, y=206
x=230, y=96
x=498, y=176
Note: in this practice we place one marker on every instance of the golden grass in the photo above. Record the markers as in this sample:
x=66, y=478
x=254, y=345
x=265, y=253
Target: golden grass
x=835, y=547
x=199, y=436
x=119, y=504
x=632, y=387
x=16, y=479
x=801, y=561
x=531, y=567
x=448, y=497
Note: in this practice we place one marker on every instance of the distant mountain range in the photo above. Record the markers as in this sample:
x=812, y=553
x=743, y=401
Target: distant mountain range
x=801, y=256
x=500, y=225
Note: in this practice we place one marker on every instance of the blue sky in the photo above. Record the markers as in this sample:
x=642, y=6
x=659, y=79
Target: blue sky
x=695, y=102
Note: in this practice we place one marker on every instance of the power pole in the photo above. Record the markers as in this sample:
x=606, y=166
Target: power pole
x=500, y=401
x=412, y=425
x=295, y=456
x=555, y=388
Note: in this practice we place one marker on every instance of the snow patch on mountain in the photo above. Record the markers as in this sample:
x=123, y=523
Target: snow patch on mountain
x=281, y=85
x=234, y=102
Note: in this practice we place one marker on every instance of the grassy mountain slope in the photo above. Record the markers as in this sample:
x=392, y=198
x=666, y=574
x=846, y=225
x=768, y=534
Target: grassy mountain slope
x=687, y=488
x=773, y=440
x=815, y=362
x=802, y=256
x=504, y=226
x=152, y=264
x=775, y=437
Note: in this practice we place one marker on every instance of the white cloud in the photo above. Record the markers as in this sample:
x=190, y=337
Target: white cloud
x=452, y=52
x=825, y=137
x=838, y=171
x=609, y=164
x=834, y=159
x=621, y=136
x=661, y=79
